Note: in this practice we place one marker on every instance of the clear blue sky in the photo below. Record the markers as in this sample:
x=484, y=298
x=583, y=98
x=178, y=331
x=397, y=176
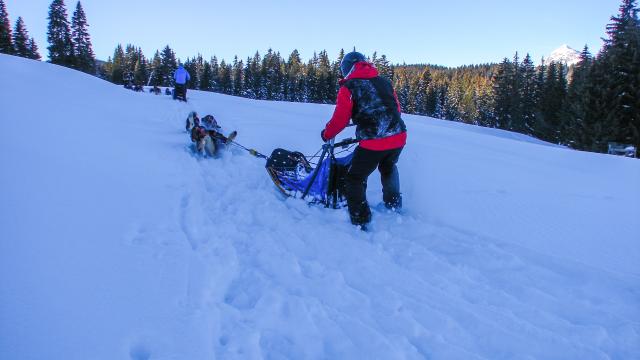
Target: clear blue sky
x=444, y=32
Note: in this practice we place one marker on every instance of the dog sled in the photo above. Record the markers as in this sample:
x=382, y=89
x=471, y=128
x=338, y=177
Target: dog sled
x=318, y=179
x=295, y=175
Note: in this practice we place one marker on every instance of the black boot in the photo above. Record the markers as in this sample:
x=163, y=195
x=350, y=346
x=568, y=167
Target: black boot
x=361, y=216
x=393, y=203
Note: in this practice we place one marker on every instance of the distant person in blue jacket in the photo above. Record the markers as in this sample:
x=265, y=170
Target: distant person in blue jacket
x=181, y=76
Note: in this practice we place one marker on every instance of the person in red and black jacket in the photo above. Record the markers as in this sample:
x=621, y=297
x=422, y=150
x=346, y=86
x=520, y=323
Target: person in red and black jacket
x=373, y=105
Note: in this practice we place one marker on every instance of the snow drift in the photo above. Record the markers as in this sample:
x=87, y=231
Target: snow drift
x=116, y=242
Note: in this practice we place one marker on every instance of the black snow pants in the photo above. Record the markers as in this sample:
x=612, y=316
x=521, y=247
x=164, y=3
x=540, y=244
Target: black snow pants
x=180, y=92
x=364, y=163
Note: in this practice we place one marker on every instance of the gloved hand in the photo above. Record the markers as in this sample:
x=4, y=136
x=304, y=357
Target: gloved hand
x=322, y=136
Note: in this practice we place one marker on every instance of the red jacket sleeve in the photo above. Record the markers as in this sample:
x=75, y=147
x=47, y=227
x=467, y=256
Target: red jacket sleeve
x=341, y=114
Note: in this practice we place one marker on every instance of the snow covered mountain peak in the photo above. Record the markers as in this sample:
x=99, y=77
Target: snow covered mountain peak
x=565, y=54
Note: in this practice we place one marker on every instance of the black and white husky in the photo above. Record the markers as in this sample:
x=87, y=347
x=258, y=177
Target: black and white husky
x=207, y=146
x=207, y=135
x=210, y=142
x=192, y=120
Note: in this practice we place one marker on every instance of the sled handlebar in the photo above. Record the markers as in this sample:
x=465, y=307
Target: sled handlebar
x=344, y=142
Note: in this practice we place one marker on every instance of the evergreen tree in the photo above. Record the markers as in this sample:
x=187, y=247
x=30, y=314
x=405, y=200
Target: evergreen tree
x=374, y=58
x=311, y=80
x=225, y=83
x=484, y=100
x=403, y=90
x=168, y=65
x=540, y=84
x=336, y=72
x=503, y=92
x=248, y=79
x=60, y=47
x=266, y=73
x=340, y=57
x=431, y=100
x=450, y=104
x=295, y=78
x=422, y=92
x=118, y=65
x=528, y=100
x=384, y=68
x=85, y=59
x=467, y=107
x=255, y=86
x=206, y=79
x=574, y=113
x=278, y=76
x=199, y=70
x=442, y=100
x=459, y=105
x=6, y=46
x=156, y=64
x=21, y=39
x=131, y=57
x=412, y=98
x=271, y=73
x=104, y=69
x=192, y=68
x=281, y=74
x=552, y=102
x=314, y=82
x=238, y=68
x=215, y=74
x=326, y=81
x=33, y=50
x=140, y=72
x=597, y=132
x=621, y=58
x=516, y=121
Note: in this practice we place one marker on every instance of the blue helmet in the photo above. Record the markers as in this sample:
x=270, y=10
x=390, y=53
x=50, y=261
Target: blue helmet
x=349, y=60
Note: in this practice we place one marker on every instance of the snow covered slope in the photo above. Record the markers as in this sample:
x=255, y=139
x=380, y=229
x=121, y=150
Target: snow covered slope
x=117, y=243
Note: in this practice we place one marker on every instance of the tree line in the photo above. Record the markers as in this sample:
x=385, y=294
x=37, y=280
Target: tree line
x=69, y=42
x=585, y=106
x=17, y=41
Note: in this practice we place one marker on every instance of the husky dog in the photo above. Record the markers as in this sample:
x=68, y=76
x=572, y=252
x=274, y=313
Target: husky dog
x=192, y=120
x=210, y=123
x=208, y=137
x=205, y=141
x=209, y=146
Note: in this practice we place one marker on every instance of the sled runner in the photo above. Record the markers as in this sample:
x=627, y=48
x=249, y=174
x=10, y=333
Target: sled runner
x=294, y=175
